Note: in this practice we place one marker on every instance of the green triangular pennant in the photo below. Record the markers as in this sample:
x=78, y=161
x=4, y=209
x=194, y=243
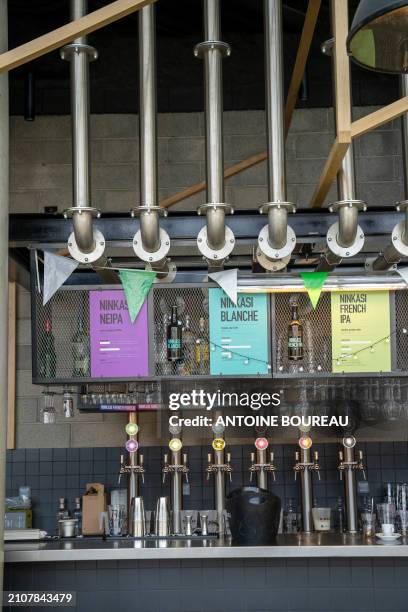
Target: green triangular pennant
x=314, y=282
x=136, y=285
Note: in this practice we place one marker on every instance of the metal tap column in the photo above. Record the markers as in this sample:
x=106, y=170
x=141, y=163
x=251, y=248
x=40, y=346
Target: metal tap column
x=306, y=491
x=4, y=224
x=176, y=492
x=262, y=475
x=350, y=490
x=219, y=459
x=133, y=480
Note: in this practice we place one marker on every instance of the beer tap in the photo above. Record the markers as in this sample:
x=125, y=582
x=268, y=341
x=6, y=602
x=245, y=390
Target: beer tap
x=305, y=466
x=219, y=467
x=177, y=467
x=348, y=466
x=259, y=464
x=132, y=468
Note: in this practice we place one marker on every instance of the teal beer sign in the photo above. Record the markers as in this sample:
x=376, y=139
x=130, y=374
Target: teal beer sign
x=238, y=334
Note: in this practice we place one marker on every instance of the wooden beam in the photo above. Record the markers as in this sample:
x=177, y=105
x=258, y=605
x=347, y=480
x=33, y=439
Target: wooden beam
x=11, y=402
x=379, y=117
x=305, y=43
x=297, y=74
x=67, y=33
x=330, y=170
x=341, y=69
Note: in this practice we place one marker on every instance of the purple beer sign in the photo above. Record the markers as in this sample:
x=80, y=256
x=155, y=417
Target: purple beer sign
x=119, y=348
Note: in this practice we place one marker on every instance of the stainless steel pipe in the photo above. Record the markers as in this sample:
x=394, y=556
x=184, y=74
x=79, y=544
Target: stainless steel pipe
x=350, y=491
x=219, y=459
x=306, y=491
x=215, y=241
x=398, y=246
x=176, y=492
x=86, y=245
x=151, y=243
x=262, y=475
x=348, y=224
x=276, y=241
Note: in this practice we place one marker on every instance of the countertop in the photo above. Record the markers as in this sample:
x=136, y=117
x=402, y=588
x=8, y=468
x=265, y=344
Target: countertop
x=286, y=546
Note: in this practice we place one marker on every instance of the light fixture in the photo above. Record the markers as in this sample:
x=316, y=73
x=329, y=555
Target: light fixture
x=131, y=429
x=261, y=444
x=378, y=38
x=131, y=446
x=305, y=442
x=175, y=445
x=218, y=444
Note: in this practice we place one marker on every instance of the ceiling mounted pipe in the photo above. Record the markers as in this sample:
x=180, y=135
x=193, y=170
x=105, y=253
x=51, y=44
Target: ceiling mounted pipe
x=276, y=240
x=151, y=243
x=85, y=244
x=345, y=238
x=398, y=247
x=378, y=35
x=215, y=240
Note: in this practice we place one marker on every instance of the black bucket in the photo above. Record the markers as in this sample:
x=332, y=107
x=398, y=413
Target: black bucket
x=254, y=515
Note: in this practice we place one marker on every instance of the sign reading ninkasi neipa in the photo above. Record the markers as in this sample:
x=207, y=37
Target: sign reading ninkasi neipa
x=238, y=334
x=119, y=348
x=360, y=320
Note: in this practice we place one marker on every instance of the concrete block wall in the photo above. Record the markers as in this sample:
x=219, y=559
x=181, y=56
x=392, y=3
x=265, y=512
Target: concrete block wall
x=41, y=176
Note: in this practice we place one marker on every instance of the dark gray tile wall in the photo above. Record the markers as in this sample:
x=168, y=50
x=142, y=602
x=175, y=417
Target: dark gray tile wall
x=235, y=585
x=61, y=472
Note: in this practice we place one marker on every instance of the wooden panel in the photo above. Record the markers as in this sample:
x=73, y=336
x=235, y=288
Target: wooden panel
x=341, y=67
x=67, y=33
x=11, y=410
x=379, y=117
x=331, y=168
x=309, y=25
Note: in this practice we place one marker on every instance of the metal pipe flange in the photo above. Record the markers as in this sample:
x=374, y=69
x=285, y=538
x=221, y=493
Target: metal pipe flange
x=227, y=208
x=68, y=51
x=212, y=254
x=162, y=212
x=212, y=45
x=69, y=212
x=337, y=249
x=85, y=258
x=289, y=206
x=269, y=251
x=156, y=256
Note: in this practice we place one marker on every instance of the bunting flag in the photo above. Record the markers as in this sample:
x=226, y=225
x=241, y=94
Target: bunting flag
x=56, y=271
x=228, y=281
x=403, y=272
x=136, y=285
x=314, y=281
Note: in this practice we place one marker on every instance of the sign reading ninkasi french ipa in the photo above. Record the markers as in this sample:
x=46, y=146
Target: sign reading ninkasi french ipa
x=359, y=321
x=238, y=334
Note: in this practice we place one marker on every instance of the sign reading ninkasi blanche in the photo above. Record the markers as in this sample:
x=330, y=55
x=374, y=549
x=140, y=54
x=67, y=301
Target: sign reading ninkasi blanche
x=361, y=331
x=239, y=335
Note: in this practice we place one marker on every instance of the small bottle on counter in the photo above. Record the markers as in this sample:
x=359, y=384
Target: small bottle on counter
x=63, y=513
x=77, y=514
x=290, y=519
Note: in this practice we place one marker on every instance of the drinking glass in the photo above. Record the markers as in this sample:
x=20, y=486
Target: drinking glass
x=117, y=519
x=368, y=522
x=403, y=520
x=386, y=517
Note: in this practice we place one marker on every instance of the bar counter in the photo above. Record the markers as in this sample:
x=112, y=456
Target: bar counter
x=287, y=546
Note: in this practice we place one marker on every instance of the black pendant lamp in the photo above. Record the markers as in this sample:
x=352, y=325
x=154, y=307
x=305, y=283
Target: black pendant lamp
x=378, y=38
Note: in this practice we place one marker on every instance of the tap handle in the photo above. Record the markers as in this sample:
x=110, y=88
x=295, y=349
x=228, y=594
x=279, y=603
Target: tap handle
x=185, y=458
x=360, y=455
x=341, y=455
x=272, y=456
x=228, y=457
x=122, y=459
x=316, y=456
x=166, y=459
x=141, y=460
x=252, y=457
x=209, y=458
x=297, y=456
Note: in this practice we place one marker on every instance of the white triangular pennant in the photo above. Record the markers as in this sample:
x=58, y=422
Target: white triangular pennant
x=56, y=271
x=228, y=281
x=403, y=272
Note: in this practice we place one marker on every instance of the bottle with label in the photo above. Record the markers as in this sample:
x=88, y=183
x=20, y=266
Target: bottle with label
x=80, y=350
x=188, y=348
x=63, y=513
x=290, y=518
x=47, y=354
x=295, y=336
x=340, y=518
x=174, y=337
x=201, y=350
x=77, y=514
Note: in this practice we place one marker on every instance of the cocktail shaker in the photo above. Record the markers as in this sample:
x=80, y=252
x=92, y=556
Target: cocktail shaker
x=138, y=518
x=162, y=524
